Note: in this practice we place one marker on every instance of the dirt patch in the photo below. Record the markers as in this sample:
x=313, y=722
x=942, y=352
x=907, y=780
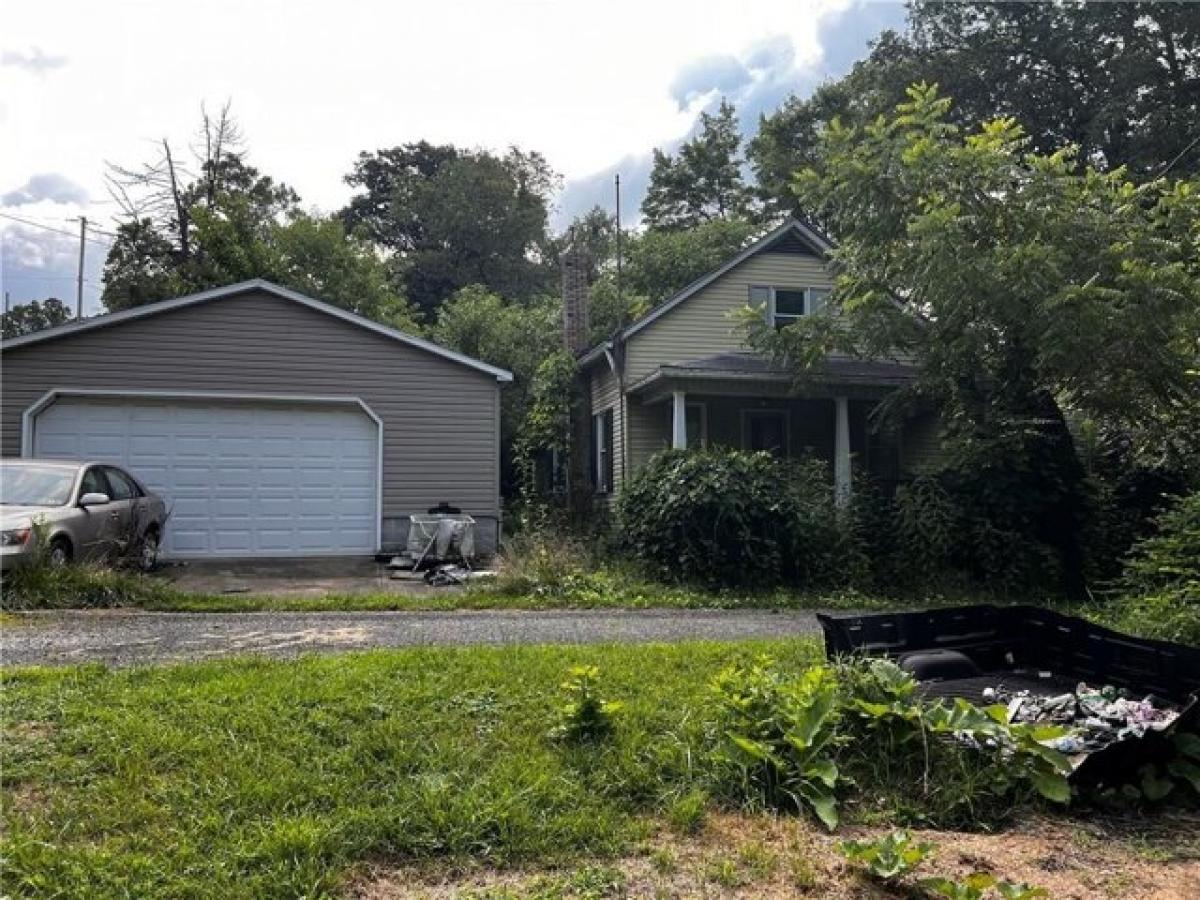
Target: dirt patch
x=772, y=857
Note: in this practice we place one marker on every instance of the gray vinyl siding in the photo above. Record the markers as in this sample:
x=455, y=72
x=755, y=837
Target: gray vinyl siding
x=440, y=418
x=701, y=325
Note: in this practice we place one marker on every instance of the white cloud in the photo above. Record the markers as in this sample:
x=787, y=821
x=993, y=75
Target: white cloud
x=314, y=83
x=45, y=186
x=35, y=60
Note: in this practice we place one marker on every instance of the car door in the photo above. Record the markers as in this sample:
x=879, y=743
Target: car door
x=95, y=531
x=125, y=498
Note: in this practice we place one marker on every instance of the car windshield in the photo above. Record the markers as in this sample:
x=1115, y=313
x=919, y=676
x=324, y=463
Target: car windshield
x=25, y=485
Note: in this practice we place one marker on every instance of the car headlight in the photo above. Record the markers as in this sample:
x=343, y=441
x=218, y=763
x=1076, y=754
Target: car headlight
x=15, y=537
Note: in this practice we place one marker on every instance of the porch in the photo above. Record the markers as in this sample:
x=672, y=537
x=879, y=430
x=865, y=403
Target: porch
x=740, y=400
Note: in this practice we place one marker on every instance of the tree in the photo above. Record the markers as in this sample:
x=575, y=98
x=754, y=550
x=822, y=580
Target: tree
x=187, y=232
x=1021, y=285
x=1119, y=80
x=514, y=336
x=316, y=256
x=663, y=262
x=703, y=181
x=452, y=217
x=26, y=318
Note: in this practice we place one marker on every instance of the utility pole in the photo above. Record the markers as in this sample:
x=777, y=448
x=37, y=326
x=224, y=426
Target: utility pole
x=79, y=280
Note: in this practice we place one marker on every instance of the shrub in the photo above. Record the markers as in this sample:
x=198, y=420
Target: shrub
x=724, y=517
x=42, y=586
x=1161, y=579
x=1168, y=562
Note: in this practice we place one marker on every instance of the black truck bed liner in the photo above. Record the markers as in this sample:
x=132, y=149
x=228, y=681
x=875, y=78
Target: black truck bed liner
x=1029, y=648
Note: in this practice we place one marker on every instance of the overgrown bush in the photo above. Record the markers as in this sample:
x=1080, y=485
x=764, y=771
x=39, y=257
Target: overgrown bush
x=723, y=517
x=42, y=586
x=858, y=733
x=1160, y=585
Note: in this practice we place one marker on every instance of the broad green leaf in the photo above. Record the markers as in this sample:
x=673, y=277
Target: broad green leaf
x=1052, y=787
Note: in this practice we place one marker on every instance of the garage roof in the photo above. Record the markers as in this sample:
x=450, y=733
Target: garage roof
x=243, y=287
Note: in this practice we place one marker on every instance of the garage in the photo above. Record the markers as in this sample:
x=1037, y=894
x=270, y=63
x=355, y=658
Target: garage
x=272, y=424
x=242, y=477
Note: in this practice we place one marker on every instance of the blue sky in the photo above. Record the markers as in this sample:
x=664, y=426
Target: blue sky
x=592, y=87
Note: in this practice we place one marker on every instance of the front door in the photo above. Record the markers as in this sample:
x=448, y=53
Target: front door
x=100, y=525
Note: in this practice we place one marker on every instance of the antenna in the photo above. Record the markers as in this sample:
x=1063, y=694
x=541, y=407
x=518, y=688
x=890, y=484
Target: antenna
x=620, y=303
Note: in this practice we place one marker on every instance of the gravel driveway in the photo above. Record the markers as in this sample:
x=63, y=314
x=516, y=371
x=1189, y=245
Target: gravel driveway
x=123, y=637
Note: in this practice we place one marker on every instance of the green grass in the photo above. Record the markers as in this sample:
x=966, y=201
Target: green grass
x=647, y=596
x=257, y=778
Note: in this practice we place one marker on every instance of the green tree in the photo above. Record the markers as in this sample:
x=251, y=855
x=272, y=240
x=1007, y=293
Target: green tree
x=452, y=218
x=316, y=256
x=26, y=318
x=1119, y=80
x=703, y=181
x=1022, y=287
x=141, y=267
x=514, y=336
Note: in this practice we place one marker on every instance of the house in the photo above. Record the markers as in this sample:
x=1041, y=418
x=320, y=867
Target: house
x=272, y=423
x=682, y=377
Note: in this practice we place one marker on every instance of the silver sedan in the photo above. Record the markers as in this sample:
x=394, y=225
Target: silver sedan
x=76, y=511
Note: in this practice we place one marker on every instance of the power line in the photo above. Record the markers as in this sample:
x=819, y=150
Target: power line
x=45, y=227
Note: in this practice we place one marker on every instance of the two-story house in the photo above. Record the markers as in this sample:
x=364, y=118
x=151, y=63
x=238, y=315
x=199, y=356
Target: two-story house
x=682, y=376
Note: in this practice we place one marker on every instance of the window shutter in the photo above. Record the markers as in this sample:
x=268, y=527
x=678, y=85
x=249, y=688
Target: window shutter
x=608, y=451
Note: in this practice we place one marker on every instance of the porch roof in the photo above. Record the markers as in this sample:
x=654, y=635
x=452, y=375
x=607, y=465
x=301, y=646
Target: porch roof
x=747, y=370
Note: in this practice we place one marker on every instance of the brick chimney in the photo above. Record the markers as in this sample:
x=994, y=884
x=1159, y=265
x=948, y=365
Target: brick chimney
x=576, y=291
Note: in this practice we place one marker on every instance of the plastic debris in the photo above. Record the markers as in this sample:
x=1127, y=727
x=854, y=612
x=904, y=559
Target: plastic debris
x=1095, y=717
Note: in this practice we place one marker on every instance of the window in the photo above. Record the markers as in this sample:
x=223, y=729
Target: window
x=784, y=305
x=765, y=430
x=94, y=482
x=122, y=485
x=602, y=452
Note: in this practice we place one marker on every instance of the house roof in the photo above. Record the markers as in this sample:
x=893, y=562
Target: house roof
x=243, y=287
x=834, y=369
x=788, y=233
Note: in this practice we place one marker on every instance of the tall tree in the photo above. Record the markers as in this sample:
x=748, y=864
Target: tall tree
x=26, y=318
x=217, y=220
x=703, y=180
x=1021, y=286
x=453, y=217
x=1119, y=80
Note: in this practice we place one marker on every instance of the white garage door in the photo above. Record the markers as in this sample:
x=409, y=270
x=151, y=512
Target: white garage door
x=241, y=478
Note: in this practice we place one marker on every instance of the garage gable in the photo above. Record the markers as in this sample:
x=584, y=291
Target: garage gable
x=257, y=285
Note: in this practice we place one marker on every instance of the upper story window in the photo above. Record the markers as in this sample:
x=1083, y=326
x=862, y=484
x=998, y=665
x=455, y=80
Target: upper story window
x=784, y=305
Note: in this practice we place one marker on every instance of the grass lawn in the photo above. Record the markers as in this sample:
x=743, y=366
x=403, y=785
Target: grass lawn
x=253, y=778
x=415, y=772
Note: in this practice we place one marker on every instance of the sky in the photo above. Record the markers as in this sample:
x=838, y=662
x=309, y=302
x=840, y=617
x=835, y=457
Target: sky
x=593, y=87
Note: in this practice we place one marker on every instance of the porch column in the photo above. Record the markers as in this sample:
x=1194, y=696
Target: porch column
x=841, y=452
x=679, y=420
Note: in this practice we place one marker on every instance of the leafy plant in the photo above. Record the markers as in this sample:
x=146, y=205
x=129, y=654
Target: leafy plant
x=778, y=735
x=583, y=716
x=890, y=856
x=977, y=885
x=723, y=517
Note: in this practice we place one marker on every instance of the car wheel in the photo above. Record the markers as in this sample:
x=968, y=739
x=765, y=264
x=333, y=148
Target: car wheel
x=59, y=553
x=148, y=552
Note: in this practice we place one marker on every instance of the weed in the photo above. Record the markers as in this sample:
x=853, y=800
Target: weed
x=723, y=871
x=778, y=735
x=686, y=814
x=891, y=856
x=583, y=715
x=663, y=861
